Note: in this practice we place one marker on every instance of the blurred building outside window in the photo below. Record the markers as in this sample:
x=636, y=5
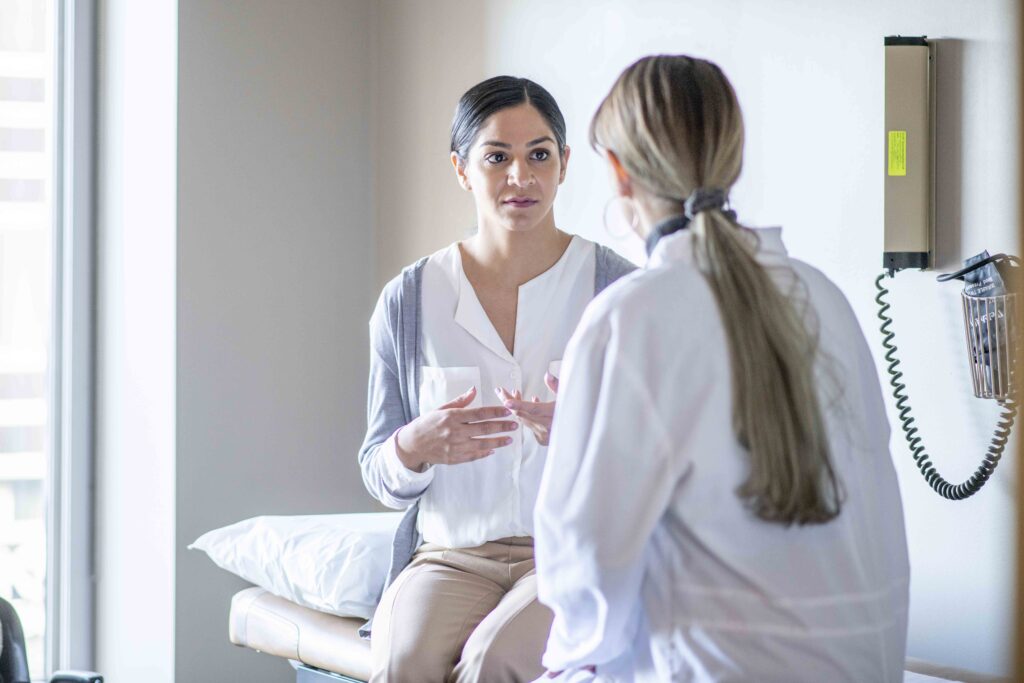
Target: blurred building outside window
x=27, y=164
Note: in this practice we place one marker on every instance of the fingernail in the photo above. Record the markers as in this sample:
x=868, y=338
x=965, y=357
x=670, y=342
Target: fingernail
x=497, y=391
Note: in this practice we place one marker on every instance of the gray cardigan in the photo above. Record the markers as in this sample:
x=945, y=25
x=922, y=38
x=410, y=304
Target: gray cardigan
x=394, y=386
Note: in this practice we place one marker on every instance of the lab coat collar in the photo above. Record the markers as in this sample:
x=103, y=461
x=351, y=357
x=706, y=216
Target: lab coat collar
x=677, y=247
x=669, y=226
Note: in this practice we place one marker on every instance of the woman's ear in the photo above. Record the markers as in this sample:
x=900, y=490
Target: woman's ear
x=623, y=183
x=565, y=163
x=460, y=172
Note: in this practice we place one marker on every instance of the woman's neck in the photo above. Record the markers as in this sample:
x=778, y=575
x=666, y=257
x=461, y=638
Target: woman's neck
x=511, y=257
x=652, y=210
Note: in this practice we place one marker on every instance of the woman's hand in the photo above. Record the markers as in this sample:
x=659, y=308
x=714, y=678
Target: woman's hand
x=535, y=414
x=448, y=435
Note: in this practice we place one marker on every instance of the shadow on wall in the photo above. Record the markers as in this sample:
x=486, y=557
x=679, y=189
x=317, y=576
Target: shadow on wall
x=948, y=56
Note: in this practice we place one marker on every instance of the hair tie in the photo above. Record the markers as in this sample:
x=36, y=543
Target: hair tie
x=704, y=199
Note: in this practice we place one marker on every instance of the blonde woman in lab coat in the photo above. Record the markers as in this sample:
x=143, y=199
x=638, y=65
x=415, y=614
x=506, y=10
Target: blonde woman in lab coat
x=719, y=502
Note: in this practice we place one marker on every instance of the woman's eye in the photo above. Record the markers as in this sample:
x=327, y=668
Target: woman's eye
x=495, y=158
x=541, y=154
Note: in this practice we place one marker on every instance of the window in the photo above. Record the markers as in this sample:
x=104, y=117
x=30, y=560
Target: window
x=46, y=99
x=27, y=163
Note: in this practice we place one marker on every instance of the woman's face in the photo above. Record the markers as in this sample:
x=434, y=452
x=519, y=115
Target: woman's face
x=513, y=169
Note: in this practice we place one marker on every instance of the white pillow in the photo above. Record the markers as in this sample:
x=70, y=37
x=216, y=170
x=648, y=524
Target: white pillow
x=331, y=563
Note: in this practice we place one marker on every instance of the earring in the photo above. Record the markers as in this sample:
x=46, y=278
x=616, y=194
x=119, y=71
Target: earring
x=634, y=218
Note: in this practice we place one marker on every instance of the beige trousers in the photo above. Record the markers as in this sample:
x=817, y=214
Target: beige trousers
x=462, y=615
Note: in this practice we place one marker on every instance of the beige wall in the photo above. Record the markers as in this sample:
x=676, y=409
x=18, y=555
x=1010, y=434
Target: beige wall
x=274, y=285
x=429, y=54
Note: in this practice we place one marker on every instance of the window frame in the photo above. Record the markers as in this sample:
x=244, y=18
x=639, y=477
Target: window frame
x=70, y=563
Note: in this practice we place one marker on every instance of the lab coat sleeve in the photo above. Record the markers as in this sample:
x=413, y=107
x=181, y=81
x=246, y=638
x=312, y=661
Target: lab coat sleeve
x=384, y=475
x=606, y=484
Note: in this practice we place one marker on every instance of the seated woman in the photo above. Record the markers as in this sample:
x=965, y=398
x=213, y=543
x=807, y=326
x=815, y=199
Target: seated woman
x=719, y=502
x=459, y=341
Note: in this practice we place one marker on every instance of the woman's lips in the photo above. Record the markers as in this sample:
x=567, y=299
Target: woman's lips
x=520, y=202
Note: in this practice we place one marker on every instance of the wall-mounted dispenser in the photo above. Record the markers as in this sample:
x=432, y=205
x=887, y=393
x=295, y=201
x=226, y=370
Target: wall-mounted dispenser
x=989, y=300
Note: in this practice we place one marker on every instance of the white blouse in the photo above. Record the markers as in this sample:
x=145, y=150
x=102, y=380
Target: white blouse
x=652, y=565
x=472, y=503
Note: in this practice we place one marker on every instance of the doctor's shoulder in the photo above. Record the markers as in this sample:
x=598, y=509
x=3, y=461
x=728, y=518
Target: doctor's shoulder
x=823, y=290
x=639, y=300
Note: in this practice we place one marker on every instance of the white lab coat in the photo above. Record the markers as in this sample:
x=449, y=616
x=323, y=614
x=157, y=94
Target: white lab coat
x=652, y=565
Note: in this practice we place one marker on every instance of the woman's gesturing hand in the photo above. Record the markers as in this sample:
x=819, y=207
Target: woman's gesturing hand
x=450, y=434
x=535, y=414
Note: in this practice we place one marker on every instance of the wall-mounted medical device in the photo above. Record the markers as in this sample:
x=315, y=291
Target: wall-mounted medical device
x=989, y=299
x=909, y=165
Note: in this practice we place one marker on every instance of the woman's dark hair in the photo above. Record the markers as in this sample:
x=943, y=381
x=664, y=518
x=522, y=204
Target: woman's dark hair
x=493, y=95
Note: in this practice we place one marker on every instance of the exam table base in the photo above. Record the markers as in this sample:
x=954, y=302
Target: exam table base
x=308, y=674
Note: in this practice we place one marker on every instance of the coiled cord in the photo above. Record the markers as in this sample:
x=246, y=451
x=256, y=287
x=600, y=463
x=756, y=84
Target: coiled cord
x=995, y=449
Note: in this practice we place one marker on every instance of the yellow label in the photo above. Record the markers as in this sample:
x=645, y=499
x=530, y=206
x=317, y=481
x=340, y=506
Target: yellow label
x=897, y=152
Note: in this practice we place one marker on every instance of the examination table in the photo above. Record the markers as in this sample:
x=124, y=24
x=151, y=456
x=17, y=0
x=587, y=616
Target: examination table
x=327, y=649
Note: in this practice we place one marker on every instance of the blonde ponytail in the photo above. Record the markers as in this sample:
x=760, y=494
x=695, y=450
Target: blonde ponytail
x=776, y=412
x=675, y=125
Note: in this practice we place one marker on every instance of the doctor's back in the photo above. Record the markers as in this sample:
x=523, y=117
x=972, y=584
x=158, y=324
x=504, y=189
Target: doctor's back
x=655, y=549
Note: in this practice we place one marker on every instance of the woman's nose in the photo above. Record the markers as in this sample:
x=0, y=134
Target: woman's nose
x=519, y=174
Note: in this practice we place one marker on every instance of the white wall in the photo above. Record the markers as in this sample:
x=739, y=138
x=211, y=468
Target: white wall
x=809, y=78
x=135, y=345
x=275, y=285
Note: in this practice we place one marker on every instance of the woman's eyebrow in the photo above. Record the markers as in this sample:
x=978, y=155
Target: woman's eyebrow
x=505, y=145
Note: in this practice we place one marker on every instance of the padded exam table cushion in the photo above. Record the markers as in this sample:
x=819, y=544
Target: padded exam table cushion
x=265, y=622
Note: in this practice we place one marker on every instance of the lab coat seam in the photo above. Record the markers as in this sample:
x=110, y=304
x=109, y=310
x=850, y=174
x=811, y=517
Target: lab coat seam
x=696, y=589
x=636, y=379
x=818, y=633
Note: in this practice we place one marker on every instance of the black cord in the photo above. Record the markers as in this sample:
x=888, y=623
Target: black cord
x=995, y=449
